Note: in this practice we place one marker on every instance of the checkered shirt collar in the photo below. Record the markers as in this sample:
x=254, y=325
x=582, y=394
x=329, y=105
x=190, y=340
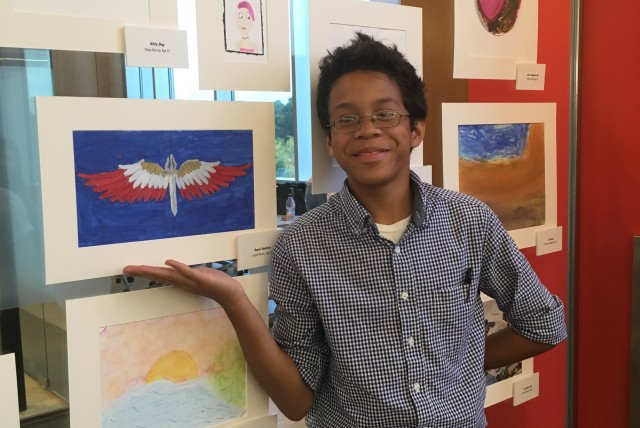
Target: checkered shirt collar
x=359, y=218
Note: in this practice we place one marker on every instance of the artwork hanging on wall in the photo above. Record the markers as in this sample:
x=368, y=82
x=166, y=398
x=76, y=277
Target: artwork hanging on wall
x=41, y=24
x=122, y=195
x=189, y=363
x=493, y=36
x=152, y=357
x=239, y=40
x=500, y=381
x=243, y=30
x=9, y=410
x=141, y=181
x=504, y=155
x=334, y=23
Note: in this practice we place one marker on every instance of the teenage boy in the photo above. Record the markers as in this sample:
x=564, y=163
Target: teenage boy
x=379, y=321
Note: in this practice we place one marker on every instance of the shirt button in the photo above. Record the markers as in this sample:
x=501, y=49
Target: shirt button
x=404, y=295
x=411, y=341
x=416, y=387
x=397, y=250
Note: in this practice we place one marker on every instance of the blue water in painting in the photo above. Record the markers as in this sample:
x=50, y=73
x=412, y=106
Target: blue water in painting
x=492, y=142
x=102, y=222
x=163, y=404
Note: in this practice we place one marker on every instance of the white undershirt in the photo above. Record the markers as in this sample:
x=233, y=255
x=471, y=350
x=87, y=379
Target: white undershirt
x=393, y=232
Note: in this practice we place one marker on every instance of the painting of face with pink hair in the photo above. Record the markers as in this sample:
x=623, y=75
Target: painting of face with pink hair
x=243, y=27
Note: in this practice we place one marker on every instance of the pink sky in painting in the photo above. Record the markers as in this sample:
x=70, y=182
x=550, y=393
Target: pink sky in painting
x=128, y=351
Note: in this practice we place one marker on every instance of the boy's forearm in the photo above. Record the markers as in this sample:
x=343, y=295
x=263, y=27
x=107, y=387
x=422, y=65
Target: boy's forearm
x=507, y=347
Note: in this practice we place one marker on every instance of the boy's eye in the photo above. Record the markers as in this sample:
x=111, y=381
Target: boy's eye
x=385, y=115
x=344, y=120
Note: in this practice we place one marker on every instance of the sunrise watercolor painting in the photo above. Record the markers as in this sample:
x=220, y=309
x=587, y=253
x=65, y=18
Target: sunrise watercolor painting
x=185, y=370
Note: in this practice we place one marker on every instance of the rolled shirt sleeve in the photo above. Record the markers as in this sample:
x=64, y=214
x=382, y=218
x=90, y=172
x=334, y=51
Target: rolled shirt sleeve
x=528, y=306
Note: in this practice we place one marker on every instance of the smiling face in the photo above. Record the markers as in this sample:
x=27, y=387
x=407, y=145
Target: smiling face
x=372, y=158
x=244, y=21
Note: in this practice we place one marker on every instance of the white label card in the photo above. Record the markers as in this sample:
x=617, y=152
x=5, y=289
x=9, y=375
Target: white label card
x=548, y=241
x=156, y=47
x=526, y=388
x=254, y=249
x=530, y=76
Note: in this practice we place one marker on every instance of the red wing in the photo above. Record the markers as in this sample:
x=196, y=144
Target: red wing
x=197, y=178
x=130, y=183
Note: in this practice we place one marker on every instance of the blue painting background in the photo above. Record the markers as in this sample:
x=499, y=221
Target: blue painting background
x=103, y=222
x=491, y=142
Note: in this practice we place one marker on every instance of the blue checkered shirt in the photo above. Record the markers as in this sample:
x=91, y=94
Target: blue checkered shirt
x=389, y=335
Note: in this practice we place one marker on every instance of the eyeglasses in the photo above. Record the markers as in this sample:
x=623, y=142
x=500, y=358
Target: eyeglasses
x=381, y=119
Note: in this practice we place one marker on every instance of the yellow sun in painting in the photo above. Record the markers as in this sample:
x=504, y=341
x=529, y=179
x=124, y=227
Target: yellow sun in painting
x=175, y=366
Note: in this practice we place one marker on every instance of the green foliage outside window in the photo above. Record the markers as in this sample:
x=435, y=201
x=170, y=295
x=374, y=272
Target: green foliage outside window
x=285, y=147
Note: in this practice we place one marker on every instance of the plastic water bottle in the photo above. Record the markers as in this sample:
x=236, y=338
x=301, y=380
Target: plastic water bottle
x=291, y=208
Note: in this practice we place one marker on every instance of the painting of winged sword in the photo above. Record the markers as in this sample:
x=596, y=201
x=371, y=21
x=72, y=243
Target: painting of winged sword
x=142, y=185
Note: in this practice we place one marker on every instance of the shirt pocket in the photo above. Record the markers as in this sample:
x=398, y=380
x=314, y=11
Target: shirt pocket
x=451, y=313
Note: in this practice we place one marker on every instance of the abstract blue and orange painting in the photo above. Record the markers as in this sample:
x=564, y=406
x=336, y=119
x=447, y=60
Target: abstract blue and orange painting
x=503, y=165
x=142, y=185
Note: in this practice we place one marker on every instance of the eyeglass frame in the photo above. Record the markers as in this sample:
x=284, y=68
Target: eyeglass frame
x=371, y=119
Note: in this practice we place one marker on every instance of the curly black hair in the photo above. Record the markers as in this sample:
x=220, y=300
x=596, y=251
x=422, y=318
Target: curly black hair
x=364, y=53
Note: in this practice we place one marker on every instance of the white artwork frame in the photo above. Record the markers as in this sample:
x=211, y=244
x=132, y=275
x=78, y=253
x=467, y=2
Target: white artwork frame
x=222, y=70
x=456, y=114
x=9, y=407
x=77, y=33
x=86, y=316
x=479, y=54
x=371, y=18
x=58, y=117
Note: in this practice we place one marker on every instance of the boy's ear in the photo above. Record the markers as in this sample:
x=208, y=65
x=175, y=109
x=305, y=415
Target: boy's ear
x=328, y=142
x=417, y=134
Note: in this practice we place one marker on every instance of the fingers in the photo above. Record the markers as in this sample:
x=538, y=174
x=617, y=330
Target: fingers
x=206, y=282
x=169, y=275
x=180, y=267
x=150, y=272
x=192, y=275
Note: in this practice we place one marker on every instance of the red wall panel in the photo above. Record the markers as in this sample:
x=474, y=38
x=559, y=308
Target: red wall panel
x=608, y=209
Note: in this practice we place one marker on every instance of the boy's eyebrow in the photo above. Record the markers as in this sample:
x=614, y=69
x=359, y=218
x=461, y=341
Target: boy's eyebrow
x=347, y=104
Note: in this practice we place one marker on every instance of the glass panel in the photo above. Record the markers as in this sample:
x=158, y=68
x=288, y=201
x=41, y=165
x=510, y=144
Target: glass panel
x=284, y=140
x=302, y=87
x=33, y=342
x=134, y=79
x=55, y=331
x=24, y=74
x=147, y=89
